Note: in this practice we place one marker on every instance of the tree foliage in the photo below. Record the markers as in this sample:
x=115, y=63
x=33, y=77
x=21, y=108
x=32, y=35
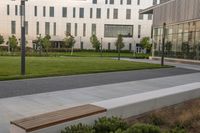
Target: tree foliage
x=69, y=40
x=12, y=42
x=146, y=44
x=119, y=43
x=1, y=39
x=46, y=43
x=95, y=42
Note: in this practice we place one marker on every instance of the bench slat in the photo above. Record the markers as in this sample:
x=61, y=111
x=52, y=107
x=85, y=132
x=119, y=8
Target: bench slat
x=53, y=118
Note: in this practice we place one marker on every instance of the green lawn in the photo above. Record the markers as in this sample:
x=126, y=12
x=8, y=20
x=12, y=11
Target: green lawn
x=57, y=66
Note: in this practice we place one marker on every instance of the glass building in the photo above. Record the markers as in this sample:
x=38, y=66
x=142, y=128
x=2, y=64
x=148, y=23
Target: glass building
x=182, y=18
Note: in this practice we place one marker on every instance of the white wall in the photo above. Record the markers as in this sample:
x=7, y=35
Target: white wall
x=5, y=20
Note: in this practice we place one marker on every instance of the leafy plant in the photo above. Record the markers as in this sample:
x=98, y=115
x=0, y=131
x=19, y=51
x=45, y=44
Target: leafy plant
x=95, y=42
x=80, y=128
x=46, y=43
x=146, y=44
x=12, y=42
x=69, y=41
x=177, y=130
x=119, y=43
x=1, y=39
x=143, y=128
x=185, y=48
x=107, y=125
x=156, y=120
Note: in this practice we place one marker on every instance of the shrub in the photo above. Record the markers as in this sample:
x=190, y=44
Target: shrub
x=107, y=125
x=80, y=128
x=143, y=128
x=177, y=130
x=156, y=120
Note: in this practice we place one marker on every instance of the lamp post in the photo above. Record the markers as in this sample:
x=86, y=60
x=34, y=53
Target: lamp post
x=163, y=44
x=23, y=39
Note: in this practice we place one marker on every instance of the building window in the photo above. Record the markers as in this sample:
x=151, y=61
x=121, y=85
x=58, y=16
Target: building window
x=13, y=27
x=141, y=16
x=44, y=11
x=91, y=12
x=94, y=29
x=139, y=31
x=128, y=2
x=108, y=13
x=47, y=28
x=74, y=12
x=37, y=28
x=106, y=1
x=26, y=27
x=68, y=30
x=150, y=16
x=75, y=29
x=115, y=13
x=84, y=29
x=121, y=2
x=64, y=12
x=35, y=11
x=112, y=2
x=109, y=46
x=128, y=13
x=98, y=13
x=114, y=30
x=51, y=11
x=94, y=1
x=138, y=2
x=81, y=12
x=154, y=2
x=82, y=45
x=54, y=28
x=8, y=9
x=16, y=10
x=130, y=46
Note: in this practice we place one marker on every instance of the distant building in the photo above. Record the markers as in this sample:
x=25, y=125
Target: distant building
x=183, y=28
x=81, y=18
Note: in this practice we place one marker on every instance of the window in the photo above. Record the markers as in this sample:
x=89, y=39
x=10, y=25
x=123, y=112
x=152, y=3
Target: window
x=139, y=31
x=8, y=9
x=64, y=12
x=112, y=2
x=47, y=28
x=115, y=13
x=130, y=46
x=84, y=29
x=114, y=30
x=94, y=1
x=141, y=16
x=35, y=11
x=138, y=2
x=91, y=12
x=128, y=2
x=128, y=13
x=154, y=2
x=26, y=27
x=98, y=13
x=54, y=28
x=51, y=11
x=108, y=13
x=109, y=46
x=150, y=16
x=75, y=29
x=94, y=29
x=121, y=2
x=37, y=28
x=13, y=27
x=16, y=10
x=44, y=11
x=106, y=1
x=74, y=12
x=82, y=45
x=68, y=30
x=81, y=12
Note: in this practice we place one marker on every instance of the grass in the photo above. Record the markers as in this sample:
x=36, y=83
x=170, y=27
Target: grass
x=60, y=66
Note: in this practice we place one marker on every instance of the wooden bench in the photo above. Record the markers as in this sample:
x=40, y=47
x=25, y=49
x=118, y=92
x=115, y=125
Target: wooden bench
x=42, y=121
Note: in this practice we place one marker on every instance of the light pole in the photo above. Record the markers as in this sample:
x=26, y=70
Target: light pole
x=23, y=39
x=163, y=44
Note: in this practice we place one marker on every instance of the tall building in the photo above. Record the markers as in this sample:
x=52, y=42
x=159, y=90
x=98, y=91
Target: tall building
x=81, y=18
x=182, y=18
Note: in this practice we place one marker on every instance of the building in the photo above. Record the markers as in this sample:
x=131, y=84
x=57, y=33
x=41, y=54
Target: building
x=182, y=18
x=82, y=18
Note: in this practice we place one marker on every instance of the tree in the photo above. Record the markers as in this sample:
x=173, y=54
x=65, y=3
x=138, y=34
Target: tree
x=46, y=43
x=95, y=42
x=185, y=48
x=69, y=41
x=168, y=47
x=146, y=44
x=12, y=43
x=39, y=43
x=119, y=43
x=1, y=39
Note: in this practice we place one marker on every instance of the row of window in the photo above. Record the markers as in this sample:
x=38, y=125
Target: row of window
x=81, y=12
x=110, y=30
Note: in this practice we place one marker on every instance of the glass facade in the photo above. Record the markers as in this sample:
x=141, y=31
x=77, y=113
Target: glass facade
x=182, y=40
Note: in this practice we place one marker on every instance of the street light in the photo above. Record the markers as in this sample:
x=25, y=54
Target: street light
x=163, y=44
x=23, y=39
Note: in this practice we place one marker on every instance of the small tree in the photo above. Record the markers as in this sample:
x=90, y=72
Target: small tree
x=146, y=44
x=69, y=41
x=168, y=47
x=46, y=43
x=12, y=43
x=119, y=43
x=1, y=39
x=185, y=48
x=95, y=42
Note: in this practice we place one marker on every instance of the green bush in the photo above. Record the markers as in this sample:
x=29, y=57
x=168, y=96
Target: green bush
x=143, y=128
x=177, y=130
x=107, y=125
x=80, y=128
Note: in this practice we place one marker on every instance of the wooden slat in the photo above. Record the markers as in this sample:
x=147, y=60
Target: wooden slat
x=53, y=118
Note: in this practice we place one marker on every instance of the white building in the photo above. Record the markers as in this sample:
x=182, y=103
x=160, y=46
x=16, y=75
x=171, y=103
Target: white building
x=82, y=18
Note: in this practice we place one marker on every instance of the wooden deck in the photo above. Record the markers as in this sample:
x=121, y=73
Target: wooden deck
x=53, y=118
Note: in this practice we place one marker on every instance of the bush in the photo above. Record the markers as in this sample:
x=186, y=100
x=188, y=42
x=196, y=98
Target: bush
x=107, y=125
x=156, y=120
x=80, y=128
x=177, y=130
x=143, y=128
